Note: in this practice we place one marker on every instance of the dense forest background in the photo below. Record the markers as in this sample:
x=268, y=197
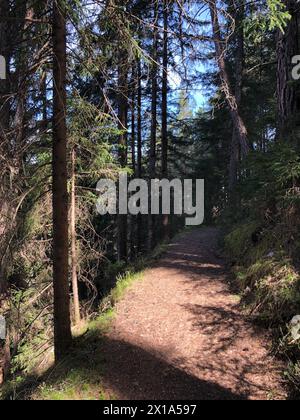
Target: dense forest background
x=157, y=89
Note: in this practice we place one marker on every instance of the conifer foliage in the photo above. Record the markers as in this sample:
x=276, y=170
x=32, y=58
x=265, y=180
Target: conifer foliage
x=154, y=89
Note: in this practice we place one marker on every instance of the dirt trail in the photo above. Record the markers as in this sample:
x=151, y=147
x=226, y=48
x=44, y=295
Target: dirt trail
x=179, y=334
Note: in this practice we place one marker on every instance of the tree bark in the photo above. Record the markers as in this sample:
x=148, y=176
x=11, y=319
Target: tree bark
x=153, y=139
x=22, y=86
x=62, y=323
x=288, y=91
x=123, y=137
x=139, y=149
x=239, y=65
x=139, y=121
x=231, y=99
x=6, y=360
x=11, y=132
x=133, y=86
x=4, y=86
x=44, y=124
x=74, y=255
x=164, y=131
x=133, y=107
x=4, y=145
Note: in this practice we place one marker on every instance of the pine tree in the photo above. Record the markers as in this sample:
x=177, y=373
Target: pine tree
x=62, y=323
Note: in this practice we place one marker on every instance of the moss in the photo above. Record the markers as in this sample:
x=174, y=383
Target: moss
x=271, y=288
x=279, y=294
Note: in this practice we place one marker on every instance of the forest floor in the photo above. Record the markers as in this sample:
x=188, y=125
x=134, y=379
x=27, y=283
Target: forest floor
x=177, y=331
x=181, y=334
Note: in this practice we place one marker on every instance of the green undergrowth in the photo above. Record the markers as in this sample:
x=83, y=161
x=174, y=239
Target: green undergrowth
x=266, y=273
x=78, y=376
x=265, y=266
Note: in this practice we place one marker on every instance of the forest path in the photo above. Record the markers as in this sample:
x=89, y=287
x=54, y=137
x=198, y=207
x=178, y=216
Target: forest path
x=179, y=334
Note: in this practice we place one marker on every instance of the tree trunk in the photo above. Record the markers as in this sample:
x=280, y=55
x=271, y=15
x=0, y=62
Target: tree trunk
x=6, y=360
x=74, y=256
x=152, y=154
x=62, y=323
x=4, y=49
x=239, y=65
x=164, y=133
x=288, y=91
x=133, y=106
x=231, y=99
x=139, y=121
x=44, y=124
x=22, y=85
x=4, y=146
x=133, y=158
x=123, y=137
x=11, y=137
x=139, y=148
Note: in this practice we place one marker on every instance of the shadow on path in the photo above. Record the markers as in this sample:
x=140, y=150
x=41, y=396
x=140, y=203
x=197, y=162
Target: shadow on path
x=129, y=372
x=136, y=373
x=178, y=335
